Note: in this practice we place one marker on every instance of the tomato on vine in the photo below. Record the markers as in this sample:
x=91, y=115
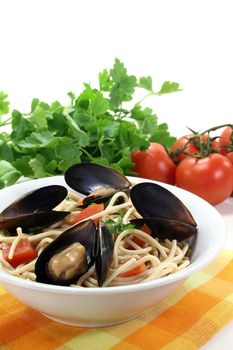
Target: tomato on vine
x=183, y=147
x=154, y=163
x=230, y=157
x=193, y=145
x=210, y=177
x=226, y=140
x=204, y=171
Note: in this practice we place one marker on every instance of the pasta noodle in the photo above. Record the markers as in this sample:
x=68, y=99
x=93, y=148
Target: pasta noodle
x=152, y=259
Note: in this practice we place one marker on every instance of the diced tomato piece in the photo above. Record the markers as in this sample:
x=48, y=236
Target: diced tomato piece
x=139, y=241
x=80, y=202
x=146, y=229
x=87, y=212
x=23, y=254
x=135, y=271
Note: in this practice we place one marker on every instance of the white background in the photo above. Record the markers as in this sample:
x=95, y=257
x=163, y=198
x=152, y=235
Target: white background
x=48, y=48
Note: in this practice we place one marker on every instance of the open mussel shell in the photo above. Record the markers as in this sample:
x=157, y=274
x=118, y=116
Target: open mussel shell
x=42, y=199
x=34, y=209
x=84, y=234
x=162, y=210
x=96, y=181
x=32, y=222
x=104, y=252
x=167, y=228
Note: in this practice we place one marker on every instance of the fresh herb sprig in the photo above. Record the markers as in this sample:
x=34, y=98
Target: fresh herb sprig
x=96, y=126
x=117, y=226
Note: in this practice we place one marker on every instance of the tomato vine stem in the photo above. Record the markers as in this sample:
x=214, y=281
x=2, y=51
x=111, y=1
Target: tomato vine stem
x=203, y=142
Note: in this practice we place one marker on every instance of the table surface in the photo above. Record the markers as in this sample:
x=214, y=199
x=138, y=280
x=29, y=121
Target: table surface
x=223, y=339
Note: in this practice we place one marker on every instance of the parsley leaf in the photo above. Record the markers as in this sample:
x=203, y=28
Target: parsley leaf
x=162, y=135
x=22, y=165
x=146, y=83
x=105, y=82
x=8, y=174
x=38, y=166
x=75, y=132
x=123, y=84
x=4, y=104
x=20, y=126
x=6, y=152
x=168, y=87
x=38, y=118
x=36, y=140
x=68, y=153
x=116, y=226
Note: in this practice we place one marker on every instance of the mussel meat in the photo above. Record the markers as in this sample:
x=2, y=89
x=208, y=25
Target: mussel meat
x=34, y=209
x=96, y=181
x=162, y=212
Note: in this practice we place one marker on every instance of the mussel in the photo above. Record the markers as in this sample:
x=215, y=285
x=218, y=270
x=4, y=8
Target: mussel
x=53, y=268
x=96, y=181
x=72, y=253
x=34, y=209
x=162, y=212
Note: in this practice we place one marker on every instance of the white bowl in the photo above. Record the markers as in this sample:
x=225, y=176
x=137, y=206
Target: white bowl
x=98, y=307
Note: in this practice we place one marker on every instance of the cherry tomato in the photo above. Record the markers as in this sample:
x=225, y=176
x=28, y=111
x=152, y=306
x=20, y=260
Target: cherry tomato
x=87, y=212
x=226, y=139
x=190, y=148
x=215, y=146
x=210, y=178
x=230, y=156
x=154, y=163
x=24, y=252
x=180, y=144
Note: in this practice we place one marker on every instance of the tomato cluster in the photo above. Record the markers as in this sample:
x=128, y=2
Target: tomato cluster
x=197, y=162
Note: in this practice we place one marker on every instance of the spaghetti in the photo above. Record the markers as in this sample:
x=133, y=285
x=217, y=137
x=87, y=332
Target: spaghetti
x=137, y=256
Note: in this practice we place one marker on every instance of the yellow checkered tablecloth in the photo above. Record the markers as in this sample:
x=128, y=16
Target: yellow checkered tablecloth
x=185, y=320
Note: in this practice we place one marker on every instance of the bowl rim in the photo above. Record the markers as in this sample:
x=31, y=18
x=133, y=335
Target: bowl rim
x=8, y=279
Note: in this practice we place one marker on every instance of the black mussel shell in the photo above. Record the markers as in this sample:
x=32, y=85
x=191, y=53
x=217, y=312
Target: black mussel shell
x=41, y=199
x=167, y=228
x=162, y=210
x=104, y=252
x=152, y=200
x=96, y=181
x=83, y=233
x=31, y=221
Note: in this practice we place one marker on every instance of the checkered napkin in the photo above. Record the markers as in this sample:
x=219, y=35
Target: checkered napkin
x=185, y=320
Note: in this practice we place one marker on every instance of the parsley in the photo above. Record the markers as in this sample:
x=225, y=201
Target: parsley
x=8, y=174
x=4, y=104
x=118, y=226
x=98, y=125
